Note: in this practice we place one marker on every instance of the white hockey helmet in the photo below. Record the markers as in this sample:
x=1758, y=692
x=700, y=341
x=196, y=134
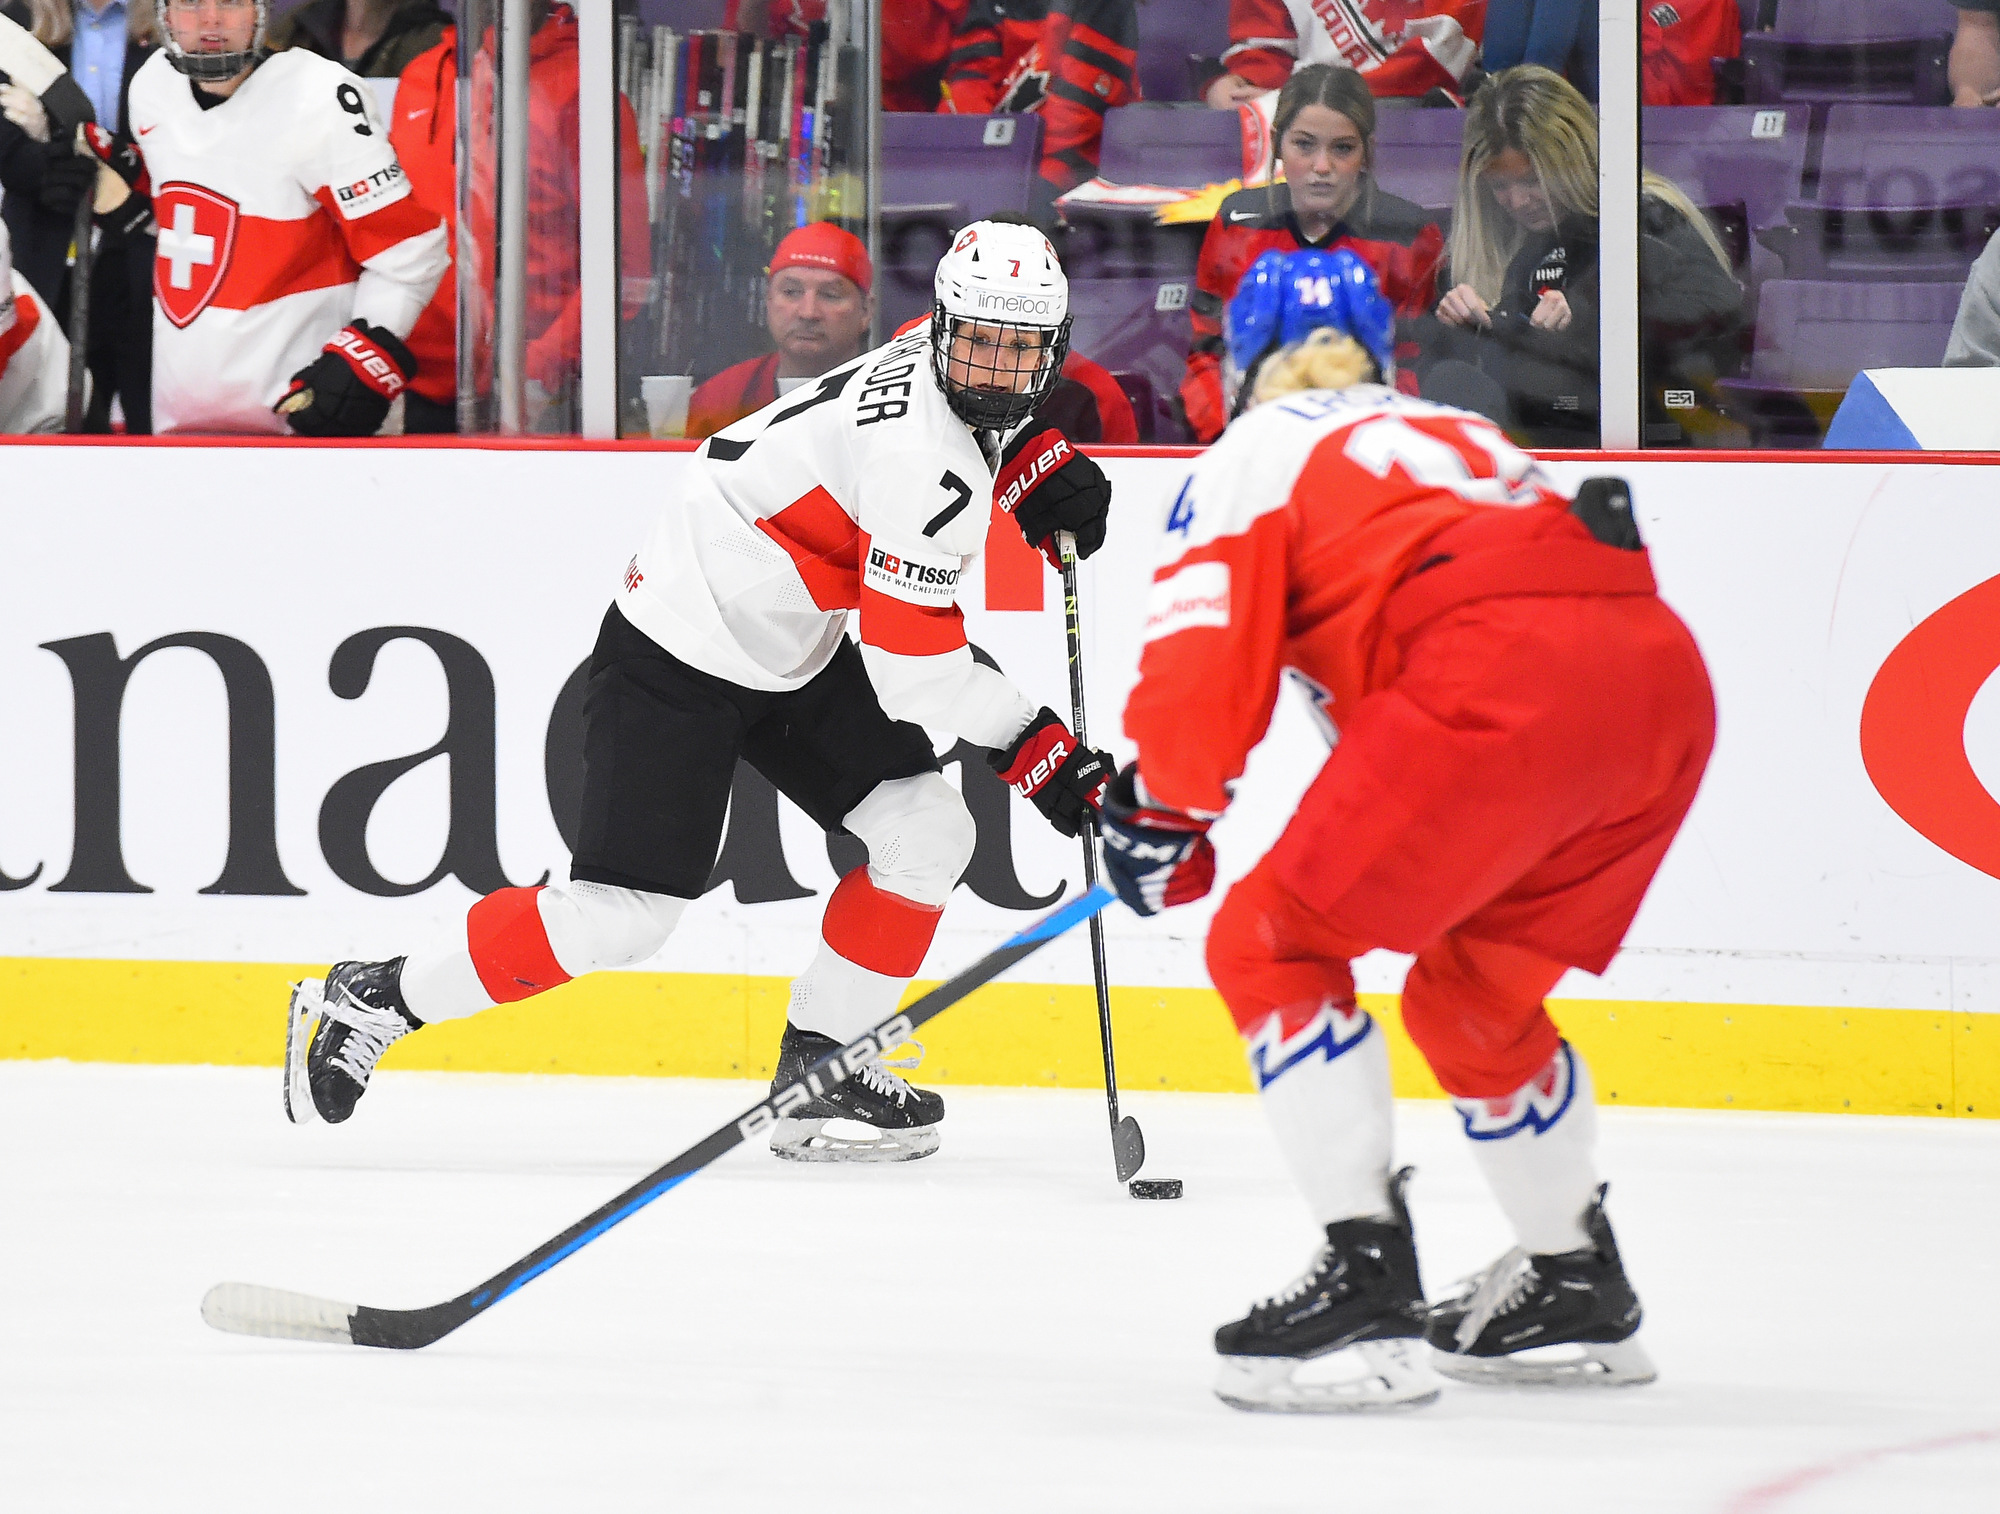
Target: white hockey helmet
x=998, y=274
x=214, y=68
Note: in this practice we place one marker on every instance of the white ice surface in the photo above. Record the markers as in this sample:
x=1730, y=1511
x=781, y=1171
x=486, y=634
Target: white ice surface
x=996, y=1328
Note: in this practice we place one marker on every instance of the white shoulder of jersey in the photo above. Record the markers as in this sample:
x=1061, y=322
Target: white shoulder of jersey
x=1254, y=466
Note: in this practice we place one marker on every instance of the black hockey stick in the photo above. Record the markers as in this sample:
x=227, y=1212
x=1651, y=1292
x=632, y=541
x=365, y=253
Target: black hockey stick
x=1128, y=1145
x=248, y=1309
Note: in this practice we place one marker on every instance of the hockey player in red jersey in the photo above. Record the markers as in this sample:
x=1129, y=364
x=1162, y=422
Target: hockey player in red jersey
x=1520, y=725
x=292, y=258
x=856, y=503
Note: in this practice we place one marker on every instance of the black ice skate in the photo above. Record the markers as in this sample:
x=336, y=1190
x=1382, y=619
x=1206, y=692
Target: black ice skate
x=1360, y=1305
x=902, y=1121
x=1564, y=1320
x=338, y=1031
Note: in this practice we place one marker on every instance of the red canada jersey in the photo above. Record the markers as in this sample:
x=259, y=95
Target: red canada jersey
x=284, y=214
x=1402, y=242
x=1404, y=47
x=1071, y=60
x=1678, y=43
x=1280, y=551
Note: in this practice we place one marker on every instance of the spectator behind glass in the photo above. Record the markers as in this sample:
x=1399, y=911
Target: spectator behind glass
x=373, y=38
x=1404, y=48
x=817, y=304
x=1517, y=333
x=554, y=356
x=102, y=42
x=1323, y=133
x=1975, y=334
x=1678, y=44
x=1068, y=60
x=1974, y=69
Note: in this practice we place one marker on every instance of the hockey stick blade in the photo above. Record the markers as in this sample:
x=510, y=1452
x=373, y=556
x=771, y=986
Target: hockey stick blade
x=250, y=1309
x=1128, y=1148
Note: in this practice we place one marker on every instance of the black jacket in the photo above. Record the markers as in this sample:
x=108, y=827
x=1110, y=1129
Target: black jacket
x=1691, y=328
x=41, y=236
x=415, y=26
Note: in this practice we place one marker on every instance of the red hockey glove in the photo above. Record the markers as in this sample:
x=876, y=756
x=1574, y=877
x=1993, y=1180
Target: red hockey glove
x=1157, y=857
x=1049, y=486
x=346, y=390
x=1050, y=769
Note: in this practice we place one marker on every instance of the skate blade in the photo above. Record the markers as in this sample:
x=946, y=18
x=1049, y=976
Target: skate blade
x=1369, y=1378
x=308, y=1001
x=1580, y=1364
x=811, y=1141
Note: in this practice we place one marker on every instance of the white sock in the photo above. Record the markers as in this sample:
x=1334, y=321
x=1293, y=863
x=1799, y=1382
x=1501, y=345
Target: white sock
x=838, y=998
x=1535, y=1147
x=443, y=985
x=1326, y=1091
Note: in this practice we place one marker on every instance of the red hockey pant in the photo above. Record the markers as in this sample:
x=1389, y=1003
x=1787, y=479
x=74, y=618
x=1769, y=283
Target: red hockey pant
x=1498, y=810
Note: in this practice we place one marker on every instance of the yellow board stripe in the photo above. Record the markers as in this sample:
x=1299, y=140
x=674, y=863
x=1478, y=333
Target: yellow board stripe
x=726, y=1025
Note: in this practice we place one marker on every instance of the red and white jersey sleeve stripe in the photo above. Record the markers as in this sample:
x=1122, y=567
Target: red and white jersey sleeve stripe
x=34, y=359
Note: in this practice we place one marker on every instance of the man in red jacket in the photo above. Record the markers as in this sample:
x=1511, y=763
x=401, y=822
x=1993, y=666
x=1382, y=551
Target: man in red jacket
x=817, y=307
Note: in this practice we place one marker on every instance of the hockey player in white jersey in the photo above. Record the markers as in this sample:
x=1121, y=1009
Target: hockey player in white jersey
x=856, y=504
x=34, y=355
x=292, y=258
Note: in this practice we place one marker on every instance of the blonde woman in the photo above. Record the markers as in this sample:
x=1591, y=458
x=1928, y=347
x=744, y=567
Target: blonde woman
x=1519, y=312
x=101, y=42
x=1521, y=727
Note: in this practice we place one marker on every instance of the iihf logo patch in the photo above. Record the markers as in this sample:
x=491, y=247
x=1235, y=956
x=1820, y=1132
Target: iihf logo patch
x=1536, y=1107
x=1330, y=1034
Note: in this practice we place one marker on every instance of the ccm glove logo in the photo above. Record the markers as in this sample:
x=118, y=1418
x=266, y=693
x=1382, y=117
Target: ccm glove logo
x=1155, y=857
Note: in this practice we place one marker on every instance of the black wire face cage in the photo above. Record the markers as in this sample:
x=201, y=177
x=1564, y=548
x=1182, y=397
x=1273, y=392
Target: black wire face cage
x=995, y=409
x=215, y=68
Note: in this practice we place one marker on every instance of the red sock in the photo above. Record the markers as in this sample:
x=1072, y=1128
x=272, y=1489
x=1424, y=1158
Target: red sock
x=510, y=948
x=878, y=930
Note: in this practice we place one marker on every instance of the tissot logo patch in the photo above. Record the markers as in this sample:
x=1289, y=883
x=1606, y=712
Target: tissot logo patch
x=385, y=186
x=928, y=583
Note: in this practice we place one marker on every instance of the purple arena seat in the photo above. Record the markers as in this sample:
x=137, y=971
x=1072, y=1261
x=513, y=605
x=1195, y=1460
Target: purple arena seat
x=1147, y=408
x=938, y=172
x=1876, y=51
x=1903, y=193
x=1184, y=146
x=1741, y=164
x=1417, y=153
x=1170, y=33
x=1136, y=326
x=1812, y=338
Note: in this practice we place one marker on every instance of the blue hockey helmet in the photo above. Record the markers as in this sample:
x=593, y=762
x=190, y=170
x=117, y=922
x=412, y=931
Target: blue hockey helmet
x=1284, y=297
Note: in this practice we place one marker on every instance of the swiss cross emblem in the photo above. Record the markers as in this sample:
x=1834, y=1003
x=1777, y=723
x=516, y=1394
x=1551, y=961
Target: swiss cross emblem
x=197, y=236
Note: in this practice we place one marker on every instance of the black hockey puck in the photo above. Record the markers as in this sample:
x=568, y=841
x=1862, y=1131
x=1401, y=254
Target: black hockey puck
x=1154, y=1188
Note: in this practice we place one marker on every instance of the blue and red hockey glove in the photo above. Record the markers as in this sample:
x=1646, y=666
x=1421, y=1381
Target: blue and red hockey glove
x=1053, y=771
x=1156, y=857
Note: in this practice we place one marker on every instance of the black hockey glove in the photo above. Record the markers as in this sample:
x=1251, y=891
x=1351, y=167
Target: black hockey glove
x=1156, y=857
x=66, y=179
x=1047, y=766
x=1049, y=486
x=346, y=390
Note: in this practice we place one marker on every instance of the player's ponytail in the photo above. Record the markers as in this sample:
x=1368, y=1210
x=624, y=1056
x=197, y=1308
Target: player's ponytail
x=1327, y=359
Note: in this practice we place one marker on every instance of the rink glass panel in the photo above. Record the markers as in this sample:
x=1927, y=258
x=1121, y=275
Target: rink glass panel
x=727, y=141
x=1850, y=198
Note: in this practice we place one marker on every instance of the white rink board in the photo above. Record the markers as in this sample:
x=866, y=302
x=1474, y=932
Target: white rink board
x=1793, y=882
